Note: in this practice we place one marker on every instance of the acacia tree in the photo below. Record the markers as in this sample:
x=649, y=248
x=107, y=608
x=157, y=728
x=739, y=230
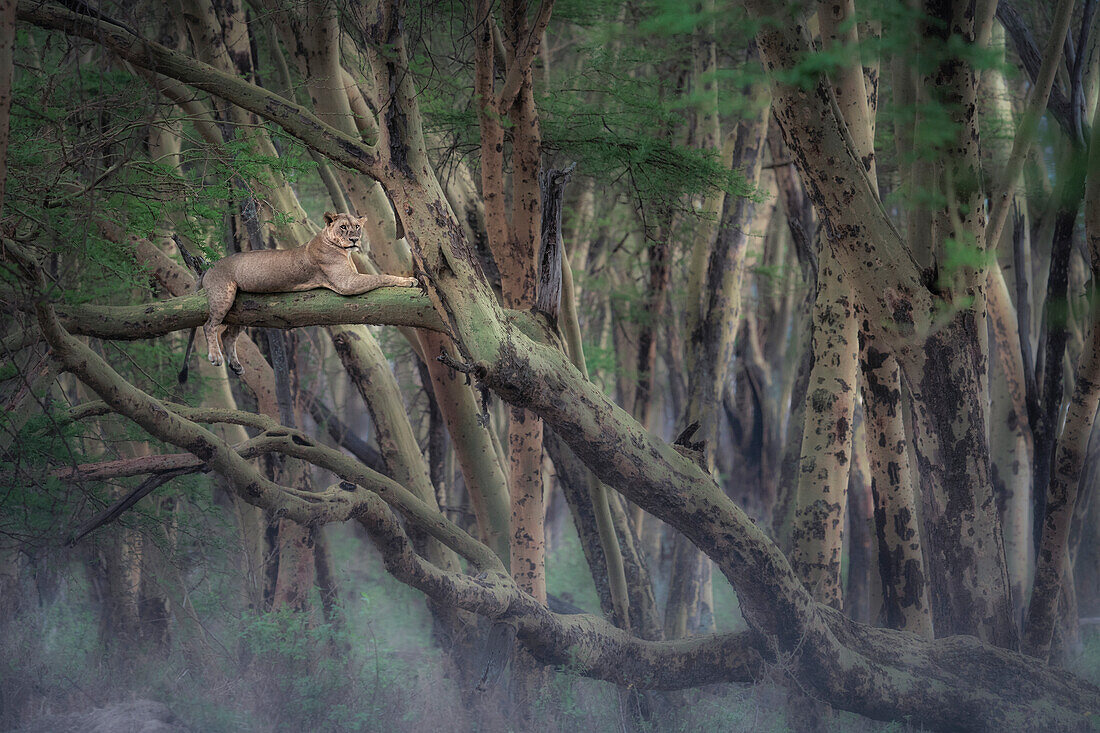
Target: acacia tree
x=931, y=329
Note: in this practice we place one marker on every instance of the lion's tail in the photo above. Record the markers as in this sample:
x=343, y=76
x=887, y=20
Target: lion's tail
x=199, y=266
x=182, y=376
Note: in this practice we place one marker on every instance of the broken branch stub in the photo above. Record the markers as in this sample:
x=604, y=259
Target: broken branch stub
x=552, y=187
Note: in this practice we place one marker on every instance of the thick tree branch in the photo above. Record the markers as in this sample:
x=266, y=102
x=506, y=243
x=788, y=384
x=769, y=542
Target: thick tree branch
x=281, y=439
x=155, y=417
x=824, y=649
x=124, y=467
x=616, y=655
x=609, y=653
x=384, y=306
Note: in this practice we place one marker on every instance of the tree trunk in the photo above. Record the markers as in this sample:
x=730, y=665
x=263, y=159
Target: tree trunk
x=512, y=240
x=714, y=318
x=822, y=499
x=861, y=531
x=905, y=582
x=945, y=367
x=1071, y=448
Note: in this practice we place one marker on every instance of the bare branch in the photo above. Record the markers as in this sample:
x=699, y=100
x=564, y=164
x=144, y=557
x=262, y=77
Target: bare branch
x=1028, y=52
x=1029, y=123
x=337, y=504
x=116, y=509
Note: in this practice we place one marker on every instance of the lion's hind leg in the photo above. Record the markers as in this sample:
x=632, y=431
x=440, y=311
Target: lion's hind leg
x=220, y=296
x=229, y=343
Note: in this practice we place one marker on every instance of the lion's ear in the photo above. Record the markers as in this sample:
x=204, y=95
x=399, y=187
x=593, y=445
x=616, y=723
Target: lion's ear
x=329, y=217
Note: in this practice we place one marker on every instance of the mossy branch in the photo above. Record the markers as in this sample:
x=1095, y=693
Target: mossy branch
x=384, y=306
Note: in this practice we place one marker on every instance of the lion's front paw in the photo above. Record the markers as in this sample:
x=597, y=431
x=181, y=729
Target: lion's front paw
x=215, y=358
x=410, y=282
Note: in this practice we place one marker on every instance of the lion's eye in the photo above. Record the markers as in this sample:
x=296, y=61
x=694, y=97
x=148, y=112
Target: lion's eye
x=343, y=227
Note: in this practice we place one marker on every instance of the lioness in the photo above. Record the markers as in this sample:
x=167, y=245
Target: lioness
x=324, y=262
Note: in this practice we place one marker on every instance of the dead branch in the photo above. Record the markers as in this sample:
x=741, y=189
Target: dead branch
x=116, y=509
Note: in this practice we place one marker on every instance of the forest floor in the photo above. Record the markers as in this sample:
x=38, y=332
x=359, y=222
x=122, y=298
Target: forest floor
x=379, y=672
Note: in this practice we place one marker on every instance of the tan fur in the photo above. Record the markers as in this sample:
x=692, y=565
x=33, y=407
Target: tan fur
x=324, y=262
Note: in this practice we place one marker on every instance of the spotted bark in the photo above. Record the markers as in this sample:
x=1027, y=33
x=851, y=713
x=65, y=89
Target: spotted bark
x=902, y=568
x=513, y=237
x=822, y=498
x=965, y=550
x=900, y=309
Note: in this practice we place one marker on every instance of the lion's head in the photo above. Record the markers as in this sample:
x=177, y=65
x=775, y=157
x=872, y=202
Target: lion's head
x=344, y=231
